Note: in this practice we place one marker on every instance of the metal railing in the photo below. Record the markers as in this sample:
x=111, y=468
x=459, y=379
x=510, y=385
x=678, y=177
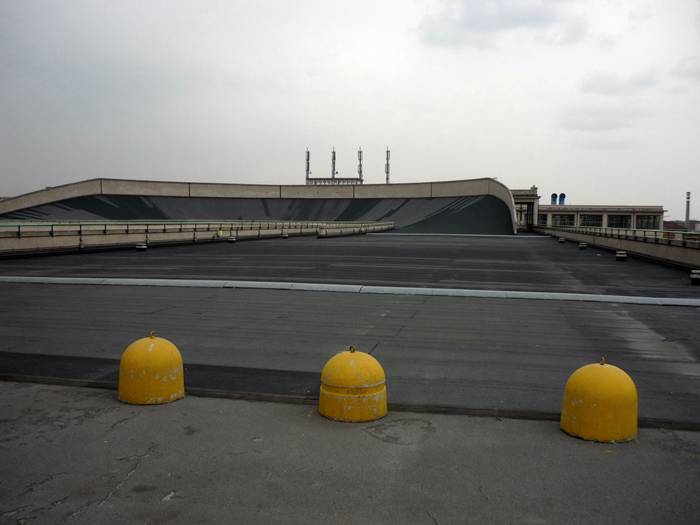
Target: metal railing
x=19, y=238
x=673, y=237
x=82, y=228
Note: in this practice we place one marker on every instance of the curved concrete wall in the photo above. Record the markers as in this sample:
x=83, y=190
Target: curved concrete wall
x=120, y=187
x=483, y=214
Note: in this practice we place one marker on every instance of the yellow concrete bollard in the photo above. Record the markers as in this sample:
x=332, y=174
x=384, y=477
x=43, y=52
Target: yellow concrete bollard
x=353, y=387
x=600, y=404
x=150, y=372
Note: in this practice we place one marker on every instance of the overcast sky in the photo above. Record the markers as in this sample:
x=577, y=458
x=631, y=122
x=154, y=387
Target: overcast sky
x=599, y=99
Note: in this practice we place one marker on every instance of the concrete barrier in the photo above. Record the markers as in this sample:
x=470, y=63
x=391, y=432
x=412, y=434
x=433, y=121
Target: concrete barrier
x=268, y=234
x=56, y=193
x=244, y=235
x=142, y=187
x=33, y=238
x=674, y=252
x=600, y=404
x=393, y=191
x=260, y=191
x=151, y=372
x=317, y=192
x=356, y=229
x=353, y=387
x=460, y=188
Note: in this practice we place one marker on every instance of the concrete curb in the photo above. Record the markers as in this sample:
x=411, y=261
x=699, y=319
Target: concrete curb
x=356, y=288
x=454, y=410
x=510, y=236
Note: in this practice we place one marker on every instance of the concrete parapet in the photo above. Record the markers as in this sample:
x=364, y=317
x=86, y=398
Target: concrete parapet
x=111, y=240
x=464, y=188
x=317, y=192
x=108, y=187
x=146, y=188
x=117, y=187
x=115, y=228
x=247, y=234
x=261, y=191
x=268, y=234
x=37, y=237
x=500, y=191
x=67, y=229
x=56, y=193
x=393, y=191
x=155, y=238
x=38, y=244
x=337, y=232
x=89, y=229
x=660, y=250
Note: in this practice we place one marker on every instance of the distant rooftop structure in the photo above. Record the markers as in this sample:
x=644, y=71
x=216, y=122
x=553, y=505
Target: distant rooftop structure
x=694, y=225
x=529, y=193
x=333, y=180
x=530, y=213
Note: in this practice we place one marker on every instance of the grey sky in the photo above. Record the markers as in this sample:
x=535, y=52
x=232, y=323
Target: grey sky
x=596, y=98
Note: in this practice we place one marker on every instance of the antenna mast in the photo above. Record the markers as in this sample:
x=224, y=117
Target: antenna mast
x=359, y=164
x=386, y=166
x=333, y=172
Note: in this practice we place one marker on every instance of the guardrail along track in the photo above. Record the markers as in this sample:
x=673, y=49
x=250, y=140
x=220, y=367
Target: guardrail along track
x=673, y=247
x=19, y=238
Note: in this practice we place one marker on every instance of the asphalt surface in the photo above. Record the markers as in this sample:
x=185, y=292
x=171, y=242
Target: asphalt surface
x=439, y=353
x=76, y=455
x=524, y=263
x=71, y=455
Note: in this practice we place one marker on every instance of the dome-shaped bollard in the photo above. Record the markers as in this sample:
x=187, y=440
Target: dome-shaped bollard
x=150, y=372
x=600, y=404
x=353, y=387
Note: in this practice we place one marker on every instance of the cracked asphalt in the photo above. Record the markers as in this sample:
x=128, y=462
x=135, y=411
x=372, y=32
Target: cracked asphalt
x=77, y=455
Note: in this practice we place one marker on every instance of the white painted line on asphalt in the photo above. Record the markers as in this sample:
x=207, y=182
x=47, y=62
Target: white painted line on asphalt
x=511, y=236
x=357, y=288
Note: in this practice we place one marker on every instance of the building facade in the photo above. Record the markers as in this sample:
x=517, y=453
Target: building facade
x=529, y=214
x=628, y=217
x=526, y=204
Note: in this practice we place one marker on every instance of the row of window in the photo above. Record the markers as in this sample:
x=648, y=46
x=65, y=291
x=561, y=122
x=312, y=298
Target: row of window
x=644, y=222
